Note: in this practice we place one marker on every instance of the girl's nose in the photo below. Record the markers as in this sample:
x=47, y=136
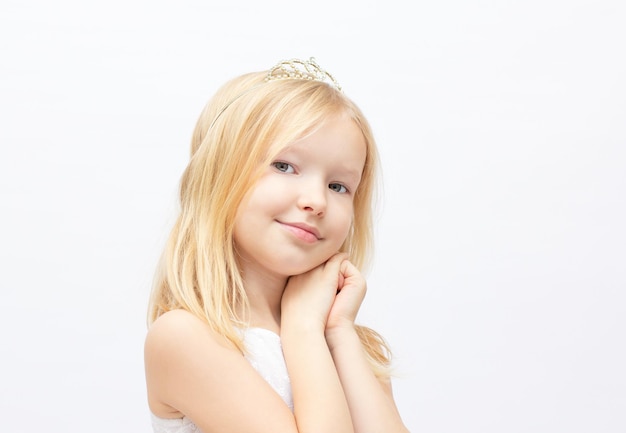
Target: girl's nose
x=313, y=199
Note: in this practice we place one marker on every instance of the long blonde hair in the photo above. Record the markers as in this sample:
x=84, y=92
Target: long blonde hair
x=240, y=130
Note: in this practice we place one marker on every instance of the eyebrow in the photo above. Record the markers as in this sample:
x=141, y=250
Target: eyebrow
x=353, y=174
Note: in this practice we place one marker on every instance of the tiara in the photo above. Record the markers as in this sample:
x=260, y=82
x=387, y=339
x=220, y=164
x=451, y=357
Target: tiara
x=296, y=69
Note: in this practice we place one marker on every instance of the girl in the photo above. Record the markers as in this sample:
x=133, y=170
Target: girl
x=252, y=313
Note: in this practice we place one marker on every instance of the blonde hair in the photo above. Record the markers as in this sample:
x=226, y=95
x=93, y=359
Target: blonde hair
x=239, y=132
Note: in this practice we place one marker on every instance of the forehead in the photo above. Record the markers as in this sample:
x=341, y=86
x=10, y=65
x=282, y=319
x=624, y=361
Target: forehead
x=337, y=146
x=338, y=137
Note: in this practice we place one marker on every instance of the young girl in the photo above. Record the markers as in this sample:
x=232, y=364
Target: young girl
x=252, y=313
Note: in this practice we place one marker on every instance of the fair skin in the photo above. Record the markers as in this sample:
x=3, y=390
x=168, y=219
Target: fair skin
x=287, y=232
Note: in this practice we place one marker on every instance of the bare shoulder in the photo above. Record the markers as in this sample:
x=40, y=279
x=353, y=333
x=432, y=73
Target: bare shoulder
x=193, y=371
x=179, y=329
x=174, y=344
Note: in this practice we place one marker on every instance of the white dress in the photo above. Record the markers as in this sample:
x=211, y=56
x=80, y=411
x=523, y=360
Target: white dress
x=265, y=354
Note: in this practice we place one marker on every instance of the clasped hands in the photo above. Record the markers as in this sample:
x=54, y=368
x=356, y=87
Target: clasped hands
x=325, y=298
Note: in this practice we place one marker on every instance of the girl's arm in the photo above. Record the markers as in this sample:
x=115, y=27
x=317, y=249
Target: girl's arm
x=320, y=405
x=371, y=402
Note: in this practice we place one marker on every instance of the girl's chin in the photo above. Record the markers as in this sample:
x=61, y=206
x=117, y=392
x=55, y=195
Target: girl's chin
x=297, y=270
x=290, y=266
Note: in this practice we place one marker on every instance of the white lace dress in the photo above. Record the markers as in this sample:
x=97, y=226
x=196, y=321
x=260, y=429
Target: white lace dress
x=265, y=354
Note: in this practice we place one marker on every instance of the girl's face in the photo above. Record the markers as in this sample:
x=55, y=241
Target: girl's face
x=300, y=211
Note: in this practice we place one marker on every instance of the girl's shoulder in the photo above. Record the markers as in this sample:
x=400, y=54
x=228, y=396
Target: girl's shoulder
x=179, y=345
x=181, y=330
x=193, y=372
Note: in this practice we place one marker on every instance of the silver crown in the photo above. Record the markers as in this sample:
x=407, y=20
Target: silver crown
x=296, y=69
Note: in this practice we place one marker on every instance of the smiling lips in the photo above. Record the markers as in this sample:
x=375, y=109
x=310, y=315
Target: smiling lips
x=302, y=231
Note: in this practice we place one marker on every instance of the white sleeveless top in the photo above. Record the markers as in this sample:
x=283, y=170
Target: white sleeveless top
x=265, y=354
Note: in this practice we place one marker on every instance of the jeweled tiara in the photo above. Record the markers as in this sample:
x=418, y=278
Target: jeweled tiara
x=300, y=70
x=294, y=69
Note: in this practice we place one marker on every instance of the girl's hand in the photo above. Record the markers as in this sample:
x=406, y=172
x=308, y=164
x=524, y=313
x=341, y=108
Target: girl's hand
x=352, y=290
x=308, y=297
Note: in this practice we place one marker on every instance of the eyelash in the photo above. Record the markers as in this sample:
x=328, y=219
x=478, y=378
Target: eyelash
x=345, y=190
x=277, y=164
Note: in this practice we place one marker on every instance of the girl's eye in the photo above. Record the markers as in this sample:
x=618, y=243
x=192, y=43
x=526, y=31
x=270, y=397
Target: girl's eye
x=337, y=187
x=283, y=167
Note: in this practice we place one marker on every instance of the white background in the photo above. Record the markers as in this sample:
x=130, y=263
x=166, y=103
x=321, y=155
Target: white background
x=500, y=276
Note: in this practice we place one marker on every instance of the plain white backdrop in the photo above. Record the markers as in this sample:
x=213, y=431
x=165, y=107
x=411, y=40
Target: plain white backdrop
x=500, y=273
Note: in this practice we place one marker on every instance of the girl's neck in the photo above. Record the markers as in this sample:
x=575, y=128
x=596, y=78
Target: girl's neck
x=264, y=296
